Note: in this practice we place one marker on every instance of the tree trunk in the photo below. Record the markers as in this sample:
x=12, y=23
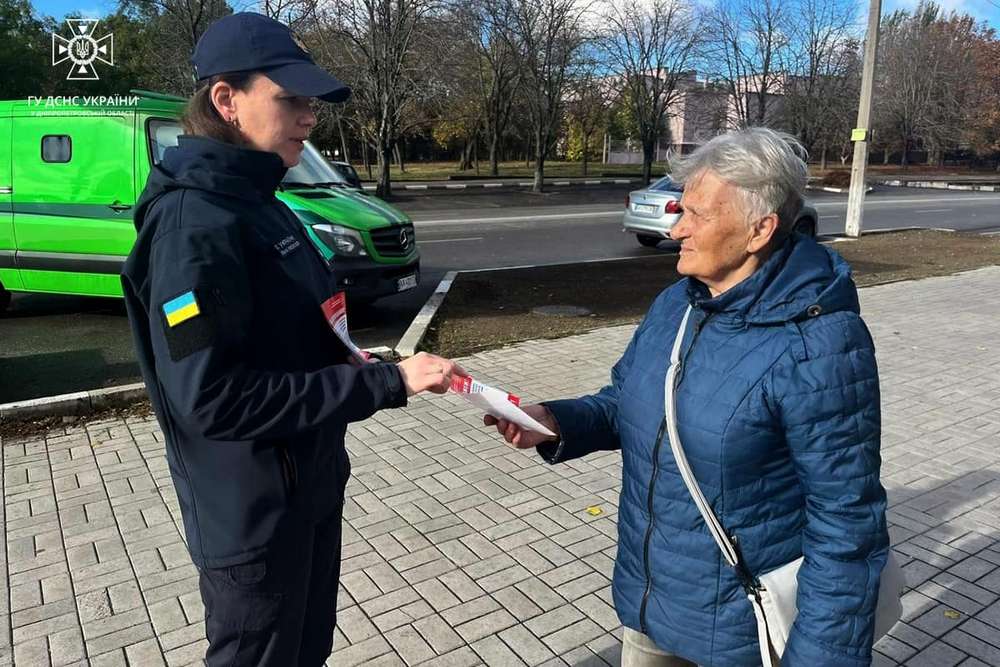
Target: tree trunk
x=648, y=145
x=343, y=141
x=399, y=157
x=539, y=185
x=384, y=187
x=494, y=148
x=885, y=156
x=822, y=158
x=467, y=154
x=364, y=155
x=586, y=147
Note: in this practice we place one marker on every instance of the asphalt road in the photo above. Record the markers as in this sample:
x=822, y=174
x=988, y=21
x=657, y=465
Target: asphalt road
x=52, y=344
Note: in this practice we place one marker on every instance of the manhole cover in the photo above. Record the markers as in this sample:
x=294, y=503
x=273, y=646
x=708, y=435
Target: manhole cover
x=561, y=311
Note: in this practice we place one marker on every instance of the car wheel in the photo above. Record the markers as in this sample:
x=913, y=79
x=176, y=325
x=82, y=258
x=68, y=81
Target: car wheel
x=806, y=226
x=648, y=241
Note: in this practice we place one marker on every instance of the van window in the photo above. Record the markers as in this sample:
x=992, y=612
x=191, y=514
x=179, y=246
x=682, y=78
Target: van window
x=57, y=148
x=162, y=135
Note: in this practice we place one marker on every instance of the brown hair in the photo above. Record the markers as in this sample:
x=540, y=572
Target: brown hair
x=201, y=117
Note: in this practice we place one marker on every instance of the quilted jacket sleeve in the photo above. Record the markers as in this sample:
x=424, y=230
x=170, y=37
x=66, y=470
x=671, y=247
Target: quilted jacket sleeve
x=590, y=423
x=828, y=401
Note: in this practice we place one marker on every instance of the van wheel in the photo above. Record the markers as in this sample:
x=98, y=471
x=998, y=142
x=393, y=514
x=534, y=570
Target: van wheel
x=648, y=241
x=4, y=299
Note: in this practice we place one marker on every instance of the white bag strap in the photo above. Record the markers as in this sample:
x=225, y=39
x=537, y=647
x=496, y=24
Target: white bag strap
x=728, y=549
x=669, y=405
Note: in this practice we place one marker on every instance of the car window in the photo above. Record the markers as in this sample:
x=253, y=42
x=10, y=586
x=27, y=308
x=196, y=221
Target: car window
x=162, y=135
x=666, y=184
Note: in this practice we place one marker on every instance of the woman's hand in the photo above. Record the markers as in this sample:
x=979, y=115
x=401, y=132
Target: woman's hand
x=523, y=438
x=428, y=372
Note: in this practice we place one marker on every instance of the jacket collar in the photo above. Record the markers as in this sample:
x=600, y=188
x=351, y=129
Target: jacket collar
x=209, y=164
x=800, y=279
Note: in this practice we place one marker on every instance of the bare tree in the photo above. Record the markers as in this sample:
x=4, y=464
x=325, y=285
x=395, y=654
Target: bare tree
x=822, y=87
x=927, y=68
x=747, y=42
x=650, y=43
x=377, y=43
x=177, y=25
x=546, y=35
x=496, y=65
x=591, y=96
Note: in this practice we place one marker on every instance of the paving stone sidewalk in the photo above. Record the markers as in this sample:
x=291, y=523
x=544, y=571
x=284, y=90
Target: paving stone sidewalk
x=460, y=551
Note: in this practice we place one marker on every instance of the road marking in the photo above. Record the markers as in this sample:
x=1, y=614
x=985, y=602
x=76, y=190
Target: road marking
x=469, y=238
x=515, y=218
x=933, y=210
x=923, y=200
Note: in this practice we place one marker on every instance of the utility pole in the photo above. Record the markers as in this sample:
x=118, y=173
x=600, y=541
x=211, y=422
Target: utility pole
x=862, y=132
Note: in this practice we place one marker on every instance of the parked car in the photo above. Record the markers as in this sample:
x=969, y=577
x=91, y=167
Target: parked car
x=70, y=175
x=650, y=213
x=348, y=173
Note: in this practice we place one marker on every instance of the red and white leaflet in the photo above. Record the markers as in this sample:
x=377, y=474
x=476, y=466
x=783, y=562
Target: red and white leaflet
x=335, y=310
x=495, y=402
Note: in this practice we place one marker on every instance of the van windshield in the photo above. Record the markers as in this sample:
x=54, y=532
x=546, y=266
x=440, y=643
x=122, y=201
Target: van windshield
x=312, y=169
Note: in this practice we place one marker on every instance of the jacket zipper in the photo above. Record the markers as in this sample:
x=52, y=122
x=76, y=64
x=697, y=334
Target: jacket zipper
x=288, y=472
x=652, y=480
x=649, y=528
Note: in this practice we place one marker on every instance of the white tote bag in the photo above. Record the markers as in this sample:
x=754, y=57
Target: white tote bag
x=772, y=595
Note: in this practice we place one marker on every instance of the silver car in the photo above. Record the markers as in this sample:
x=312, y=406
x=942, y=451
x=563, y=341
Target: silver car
x=652, y=212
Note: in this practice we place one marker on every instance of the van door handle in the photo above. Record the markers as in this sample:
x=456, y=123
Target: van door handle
x=6, y=190
x=118, y=207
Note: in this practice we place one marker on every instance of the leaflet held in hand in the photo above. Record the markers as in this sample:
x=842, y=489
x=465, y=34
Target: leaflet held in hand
x=495, y=402
x=335, y=310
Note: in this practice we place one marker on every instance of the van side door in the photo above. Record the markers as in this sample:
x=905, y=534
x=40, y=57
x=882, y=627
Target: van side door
x=9, y=277
x=75, y=191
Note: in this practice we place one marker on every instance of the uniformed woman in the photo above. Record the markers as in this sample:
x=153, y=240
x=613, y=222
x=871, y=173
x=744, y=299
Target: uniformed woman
x=252, y=388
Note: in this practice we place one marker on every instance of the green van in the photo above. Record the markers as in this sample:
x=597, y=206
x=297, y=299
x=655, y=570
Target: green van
x=72, y=168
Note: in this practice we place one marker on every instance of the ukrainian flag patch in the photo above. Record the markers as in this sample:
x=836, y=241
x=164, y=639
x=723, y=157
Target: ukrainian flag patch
x=181, y=309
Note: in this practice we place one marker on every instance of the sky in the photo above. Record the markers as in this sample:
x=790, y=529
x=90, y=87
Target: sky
x=983, y=10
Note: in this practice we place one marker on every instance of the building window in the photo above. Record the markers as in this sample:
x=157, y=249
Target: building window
x=57, y=148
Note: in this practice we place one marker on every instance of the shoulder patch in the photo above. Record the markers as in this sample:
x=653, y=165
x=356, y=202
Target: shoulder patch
x=181, y=309
x=189, y=324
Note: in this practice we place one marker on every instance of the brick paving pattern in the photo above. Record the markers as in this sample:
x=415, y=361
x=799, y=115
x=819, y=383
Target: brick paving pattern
x=461, y=551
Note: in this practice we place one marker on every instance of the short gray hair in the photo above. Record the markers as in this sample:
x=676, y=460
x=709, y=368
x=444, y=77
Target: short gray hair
x=766, y=166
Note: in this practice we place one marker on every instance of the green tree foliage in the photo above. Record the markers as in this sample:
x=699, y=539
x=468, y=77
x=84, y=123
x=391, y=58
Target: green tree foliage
x=25, y=44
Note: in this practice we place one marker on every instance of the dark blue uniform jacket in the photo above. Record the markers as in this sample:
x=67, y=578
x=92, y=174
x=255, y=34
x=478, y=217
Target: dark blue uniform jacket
x=250, y=385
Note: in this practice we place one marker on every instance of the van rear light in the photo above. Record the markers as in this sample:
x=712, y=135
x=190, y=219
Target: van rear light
x=673, y=207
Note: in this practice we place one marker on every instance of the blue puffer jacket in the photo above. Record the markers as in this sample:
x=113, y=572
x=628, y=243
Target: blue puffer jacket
x=778, y=412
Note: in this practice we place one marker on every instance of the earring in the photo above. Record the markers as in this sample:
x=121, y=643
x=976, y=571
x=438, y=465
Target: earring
x=235, y=122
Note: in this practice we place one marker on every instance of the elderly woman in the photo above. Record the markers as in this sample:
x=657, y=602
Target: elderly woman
x=777, y=408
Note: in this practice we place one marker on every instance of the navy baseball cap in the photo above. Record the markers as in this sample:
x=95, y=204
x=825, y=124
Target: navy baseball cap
x=249, y=42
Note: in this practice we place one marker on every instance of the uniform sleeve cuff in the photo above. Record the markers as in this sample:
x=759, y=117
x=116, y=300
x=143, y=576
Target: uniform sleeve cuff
x=395, y=389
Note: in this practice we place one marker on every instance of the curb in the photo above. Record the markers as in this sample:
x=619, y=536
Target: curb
x=407, y=345
x=500, y=184
x=840, y=191
x=81, y=403
x=76, y=403
x=943, y=185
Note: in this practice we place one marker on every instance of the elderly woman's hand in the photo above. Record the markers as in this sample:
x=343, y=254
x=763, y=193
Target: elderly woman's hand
x=523, y=438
